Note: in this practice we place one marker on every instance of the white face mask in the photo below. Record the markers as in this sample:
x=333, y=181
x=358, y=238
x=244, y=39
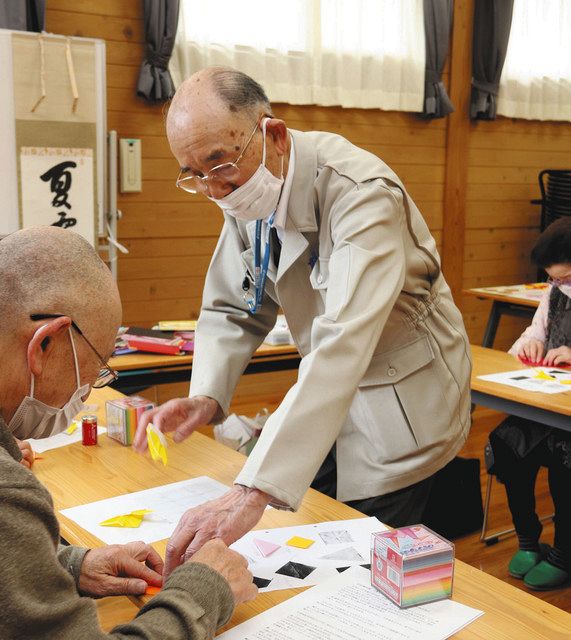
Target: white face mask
x=257, y=198
x=34, y=419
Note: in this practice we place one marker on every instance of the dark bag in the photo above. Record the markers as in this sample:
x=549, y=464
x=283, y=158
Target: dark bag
x=454, y=507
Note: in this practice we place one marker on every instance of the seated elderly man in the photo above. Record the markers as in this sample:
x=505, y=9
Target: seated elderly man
x=59, y=314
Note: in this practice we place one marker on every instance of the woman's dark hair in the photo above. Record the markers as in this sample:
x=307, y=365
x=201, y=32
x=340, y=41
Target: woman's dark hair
x=554, y=245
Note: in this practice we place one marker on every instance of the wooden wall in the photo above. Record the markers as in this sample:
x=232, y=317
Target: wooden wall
x=476, y=177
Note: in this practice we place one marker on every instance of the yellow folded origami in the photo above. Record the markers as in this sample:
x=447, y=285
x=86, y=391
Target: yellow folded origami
x=541, y=375
x=72, y=427
x=301, y=543
x=128, y=520
x=157, y=444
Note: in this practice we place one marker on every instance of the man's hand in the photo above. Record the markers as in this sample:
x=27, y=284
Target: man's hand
x=181, y=415
x=231, y=565
x=28, y=455
x=120, y=570
x=532, y=350
x=228, y=517
x=554, y=357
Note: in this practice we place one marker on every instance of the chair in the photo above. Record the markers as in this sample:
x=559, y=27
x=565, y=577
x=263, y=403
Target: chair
x=555, y=187
x=494, y=538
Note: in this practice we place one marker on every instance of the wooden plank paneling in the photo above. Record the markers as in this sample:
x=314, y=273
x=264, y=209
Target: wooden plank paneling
x=486, y=170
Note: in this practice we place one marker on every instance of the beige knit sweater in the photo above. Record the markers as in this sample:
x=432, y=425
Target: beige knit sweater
x=39, y=597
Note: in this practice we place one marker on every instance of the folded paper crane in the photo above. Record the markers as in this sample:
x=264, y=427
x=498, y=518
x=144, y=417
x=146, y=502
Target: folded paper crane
x=129, y=520
x=157, y=444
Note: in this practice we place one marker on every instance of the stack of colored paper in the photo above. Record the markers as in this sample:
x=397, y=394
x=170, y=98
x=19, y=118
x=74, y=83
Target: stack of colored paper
x=412, y=565
x=123, y=415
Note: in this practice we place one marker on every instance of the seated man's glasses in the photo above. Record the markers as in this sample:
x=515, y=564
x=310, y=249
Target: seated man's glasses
x=222, y=173
x=106, y=375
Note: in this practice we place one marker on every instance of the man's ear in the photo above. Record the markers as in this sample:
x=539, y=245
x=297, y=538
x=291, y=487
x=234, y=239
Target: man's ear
x=43, y=342
x=278, y=130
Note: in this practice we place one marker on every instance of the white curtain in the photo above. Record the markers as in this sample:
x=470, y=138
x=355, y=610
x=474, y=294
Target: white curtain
x=536, y=79
x=353, y=53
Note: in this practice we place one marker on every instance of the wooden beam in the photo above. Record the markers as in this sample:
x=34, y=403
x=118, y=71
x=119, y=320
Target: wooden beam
x=457, y=147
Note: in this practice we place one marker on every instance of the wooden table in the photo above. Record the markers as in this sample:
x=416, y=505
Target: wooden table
x=553, y=410
x=77, y=475
x=514, y=300
x=140, y=370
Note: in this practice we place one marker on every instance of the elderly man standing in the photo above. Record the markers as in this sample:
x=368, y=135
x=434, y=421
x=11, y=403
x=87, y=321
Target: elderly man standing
x=59, y=314
x=327, y=232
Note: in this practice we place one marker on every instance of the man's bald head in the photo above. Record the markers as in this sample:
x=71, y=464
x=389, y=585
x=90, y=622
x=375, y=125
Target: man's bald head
x=52, y=270
x=216, y=92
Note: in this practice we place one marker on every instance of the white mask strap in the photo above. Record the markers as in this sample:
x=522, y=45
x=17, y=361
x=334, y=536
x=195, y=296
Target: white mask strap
x=32, y=383
x=264, y=123
x=74, y=358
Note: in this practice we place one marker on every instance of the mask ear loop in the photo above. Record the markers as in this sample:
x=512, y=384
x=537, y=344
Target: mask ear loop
x=74, y=358
x=264, y=123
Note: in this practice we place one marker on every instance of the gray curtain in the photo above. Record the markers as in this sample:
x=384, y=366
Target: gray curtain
x=23, y=15
x=161, y=19
x=437, y=24
x=492, y=23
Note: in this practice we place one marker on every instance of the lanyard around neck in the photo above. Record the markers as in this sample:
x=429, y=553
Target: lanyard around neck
x=260, y=266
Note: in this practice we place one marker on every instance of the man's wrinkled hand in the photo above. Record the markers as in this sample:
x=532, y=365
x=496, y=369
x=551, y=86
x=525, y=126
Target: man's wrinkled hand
x=120, y=570
x=181, y=415
x=28, y=455
x=228, y=518
x=231, y=566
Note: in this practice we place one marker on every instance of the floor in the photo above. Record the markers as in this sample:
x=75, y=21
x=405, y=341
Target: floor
x=494, y=559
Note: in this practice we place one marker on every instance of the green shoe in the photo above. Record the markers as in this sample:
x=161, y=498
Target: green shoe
x=522, y=562
x=545, y=576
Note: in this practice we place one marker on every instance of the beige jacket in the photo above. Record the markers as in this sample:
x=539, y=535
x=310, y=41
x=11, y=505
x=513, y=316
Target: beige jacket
x=385, y=370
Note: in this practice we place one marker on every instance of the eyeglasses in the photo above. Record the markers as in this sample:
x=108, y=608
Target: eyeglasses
x=558, y=282
x=225, y=172
x=106, y=375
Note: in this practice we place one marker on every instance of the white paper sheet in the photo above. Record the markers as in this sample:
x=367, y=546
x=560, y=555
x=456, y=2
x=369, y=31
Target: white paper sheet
x=60, y=440
x=337, y=545
x=347, y=607
x=527, y=380
x=168, y=503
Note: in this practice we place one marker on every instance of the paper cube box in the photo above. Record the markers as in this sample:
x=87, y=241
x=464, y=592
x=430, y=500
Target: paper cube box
x=412, y=565
x=123, y=415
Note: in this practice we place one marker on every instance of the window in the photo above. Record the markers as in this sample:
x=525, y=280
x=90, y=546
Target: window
x=353, y=53
x=536, y=78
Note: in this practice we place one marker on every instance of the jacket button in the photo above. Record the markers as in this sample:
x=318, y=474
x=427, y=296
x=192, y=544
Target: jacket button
x=392, y=372
x=319, y=279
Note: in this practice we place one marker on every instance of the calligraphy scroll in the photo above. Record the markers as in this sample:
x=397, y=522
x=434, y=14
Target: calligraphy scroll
x=57, y=188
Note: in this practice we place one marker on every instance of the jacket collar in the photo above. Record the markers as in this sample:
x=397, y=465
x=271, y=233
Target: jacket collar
x=301, y=217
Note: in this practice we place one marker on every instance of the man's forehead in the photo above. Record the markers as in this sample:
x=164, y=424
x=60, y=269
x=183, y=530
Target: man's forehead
x=211, y=140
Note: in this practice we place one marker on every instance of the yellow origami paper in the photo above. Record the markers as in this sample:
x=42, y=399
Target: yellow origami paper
x=129, y=520
x=301, y=543
x=72, y=427
x=541, y=375
x=157, y=444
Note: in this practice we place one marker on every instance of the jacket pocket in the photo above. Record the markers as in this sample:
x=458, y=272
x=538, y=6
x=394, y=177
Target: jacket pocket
x=319, y=275
x=403, y=403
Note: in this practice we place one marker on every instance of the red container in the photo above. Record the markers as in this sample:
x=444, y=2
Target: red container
x=89, y=430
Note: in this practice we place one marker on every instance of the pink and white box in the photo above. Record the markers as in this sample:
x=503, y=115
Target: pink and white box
x=412, y=565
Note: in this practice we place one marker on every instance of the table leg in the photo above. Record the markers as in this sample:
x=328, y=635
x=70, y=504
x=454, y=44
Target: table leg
x=492, y=326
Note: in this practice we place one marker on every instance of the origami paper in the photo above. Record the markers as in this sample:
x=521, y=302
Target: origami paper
x=157, y=444
x=300, y=543
x=130, y=520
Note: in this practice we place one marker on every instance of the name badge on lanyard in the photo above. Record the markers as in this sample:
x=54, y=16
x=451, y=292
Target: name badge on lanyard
x=254, y=300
